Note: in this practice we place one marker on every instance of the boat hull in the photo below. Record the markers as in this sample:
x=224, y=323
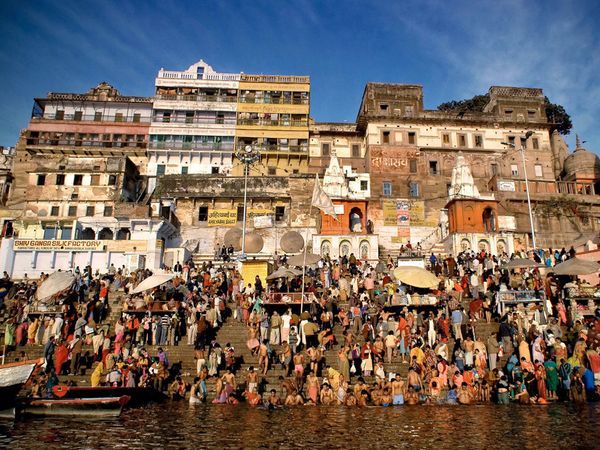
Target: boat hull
x=83, y=407
x=139, y=395
x=12, y=378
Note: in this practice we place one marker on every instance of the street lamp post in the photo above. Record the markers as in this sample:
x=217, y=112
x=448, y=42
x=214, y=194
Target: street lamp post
x=522, y=151
x=247, y=154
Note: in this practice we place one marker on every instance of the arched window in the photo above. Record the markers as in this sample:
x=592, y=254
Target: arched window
x=87, y=234
x=123, y=234
x=105, y=234
x=356, y=217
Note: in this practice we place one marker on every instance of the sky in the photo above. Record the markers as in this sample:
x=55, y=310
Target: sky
x=455, y=49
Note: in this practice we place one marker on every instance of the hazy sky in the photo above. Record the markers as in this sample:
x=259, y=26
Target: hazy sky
x=455, y=49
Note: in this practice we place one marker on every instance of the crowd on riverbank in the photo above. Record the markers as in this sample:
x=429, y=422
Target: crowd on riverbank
x=542, y=351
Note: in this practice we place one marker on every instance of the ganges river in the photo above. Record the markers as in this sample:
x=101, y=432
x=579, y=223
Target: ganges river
x=177, y=425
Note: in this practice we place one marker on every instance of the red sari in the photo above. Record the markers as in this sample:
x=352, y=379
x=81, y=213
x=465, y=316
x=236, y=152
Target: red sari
x=61, y=355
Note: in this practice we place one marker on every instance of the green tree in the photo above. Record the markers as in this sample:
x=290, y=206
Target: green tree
x=558, y=117
x=475, y=104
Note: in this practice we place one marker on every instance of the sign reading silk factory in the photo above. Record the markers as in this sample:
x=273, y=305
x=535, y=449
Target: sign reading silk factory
x=51, y=244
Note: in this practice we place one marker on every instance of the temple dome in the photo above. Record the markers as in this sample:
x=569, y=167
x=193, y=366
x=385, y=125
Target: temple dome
x=582, y=161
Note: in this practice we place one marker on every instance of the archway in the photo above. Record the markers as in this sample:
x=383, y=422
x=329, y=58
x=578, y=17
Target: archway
x=489, y=220
x=501, y=247
x=87, y=234
x=345, y=248
x=105, y=234
x=325, y=248
x=465, y=245
x=123, y=234
x=364, y=250
x=484, y=245
x=356, y=218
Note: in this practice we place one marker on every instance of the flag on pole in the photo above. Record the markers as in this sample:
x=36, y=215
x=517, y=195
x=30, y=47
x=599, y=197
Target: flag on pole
x=321, y=200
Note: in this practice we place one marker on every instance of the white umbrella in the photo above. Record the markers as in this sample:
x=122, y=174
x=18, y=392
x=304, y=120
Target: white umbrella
x=576, y=266
x=153, y=281
x=520, y=263
x=284, y=272
x=298, y=260
x=55, y=283
x=416, y=276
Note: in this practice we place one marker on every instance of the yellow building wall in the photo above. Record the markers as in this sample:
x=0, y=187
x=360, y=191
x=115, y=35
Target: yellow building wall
x=298, y=87
x=252, y=268
x=273, y=108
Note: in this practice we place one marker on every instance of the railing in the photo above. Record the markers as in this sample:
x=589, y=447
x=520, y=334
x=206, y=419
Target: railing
x=542, y=186
x=92, y=118
x=198, y=98
x=285, y=148
x=275, y=100
x=273, y=123
x=86, y=143
x=191, y=145
x=274, y=78
x=196, y=120
x=194, y=76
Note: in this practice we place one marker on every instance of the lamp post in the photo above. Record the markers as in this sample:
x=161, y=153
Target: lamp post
x=247, y=154
x=522, y=150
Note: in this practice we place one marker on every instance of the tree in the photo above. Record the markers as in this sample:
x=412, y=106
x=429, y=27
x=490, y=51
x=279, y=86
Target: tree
x=558, y=117
x=556, y=114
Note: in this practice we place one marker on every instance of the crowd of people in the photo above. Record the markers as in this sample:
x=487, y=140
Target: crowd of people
x=361, y=339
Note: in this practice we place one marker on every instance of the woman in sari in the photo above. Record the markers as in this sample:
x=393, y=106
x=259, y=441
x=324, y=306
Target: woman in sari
x=551, y=377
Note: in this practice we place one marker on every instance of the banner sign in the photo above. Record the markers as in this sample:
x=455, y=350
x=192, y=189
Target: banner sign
x=57, y=244
x=263, y=221
x=222, y=217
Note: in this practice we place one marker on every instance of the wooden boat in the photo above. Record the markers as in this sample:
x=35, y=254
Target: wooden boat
x=12, y=378
x=139, y=395
x=78, y=407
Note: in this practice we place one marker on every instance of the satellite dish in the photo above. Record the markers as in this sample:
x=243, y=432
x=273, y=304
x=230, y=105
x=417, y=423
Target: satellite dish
x=233, y=237
x=291, y=242
x=42, y=213
x=254, y=242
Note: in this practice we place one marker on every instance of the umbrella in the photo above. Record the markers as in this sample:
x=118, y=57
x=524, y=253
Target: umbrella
x=55, y=283
x=416, y=276
x=298, y=260
x=576, y=266
x=520, y=263
x=153, y=281
x=284, y=272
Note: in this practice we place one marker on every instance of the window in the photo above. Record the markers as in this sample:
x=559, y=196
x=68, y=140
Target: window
x=77, y=180
x=514, y=170
x=539, y=171
x=355, y=151
x=295, y=171
x=272, y=171
x=189, y=117
x=72, y=211
x=184, y=170
x=508, y=112
x=137, y=117
x=50, y=232
x=90, y=211
x=531, y=113
x=119, y=117
x=160, y=170
x=60, y=179
x=412, y=137
x=97, y=116
x=494, y=167
x=279, y=213
x=511, y=140
x=433, y=168
x=166, y=117
x=446, y=139
x=108, y=211
x=60, y=114
x=413, y=189
x=203, y=214
x=462, y=140
x=478, y=140
x=95, y=181
x=364, y=185
x=214, y=170
x=387, y=188
x=535, y=142
x=383, y=106
x=54, y=211
x=41, y=180
x=325, y=149
x=78, y=115
x=386, y=137
x=66, y=233
x=240, y=213
x=409, y=110
x=412, y=164
x=112, y=180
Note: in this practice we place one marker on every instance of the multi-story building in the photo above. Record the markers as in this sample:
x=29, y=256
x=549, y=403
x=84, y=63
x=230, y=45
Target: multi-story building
x=193, y=122
x=340, y=139
x=273, y=114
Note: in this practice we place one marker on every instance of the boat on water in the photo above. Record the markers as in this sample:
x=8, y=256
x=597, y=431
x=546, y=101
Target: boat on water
x=78, y=407
x=139, y=395
x=12, y=378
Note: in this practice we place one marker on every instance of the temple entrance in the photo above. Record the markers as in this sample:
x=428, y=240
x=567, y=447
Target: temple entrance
x=356, y=217
x=489, y=220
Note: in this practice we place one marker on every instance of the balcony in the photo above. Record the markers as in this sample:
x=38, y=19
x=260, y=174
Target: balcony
x=174, y=75
x=198, y=98
x=284, y=149
x=196, y=120
x=85, y=143
x=91, y=118
x=273, y=123
x=516, y=188
x=274, y=79
x=274, y=100
x=221, y=146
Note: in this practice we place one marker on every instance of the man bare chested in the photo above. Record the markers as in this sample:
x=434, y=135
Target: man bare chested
x=263, y=358
x=412, y=398
x=398, y=390
x=252, y=379
x=299, y=370
x=327, y=397
x=229, y=378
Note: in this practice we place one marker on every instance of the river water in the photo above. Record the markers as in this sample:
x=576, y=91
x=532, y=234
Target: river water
x=178, y=425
